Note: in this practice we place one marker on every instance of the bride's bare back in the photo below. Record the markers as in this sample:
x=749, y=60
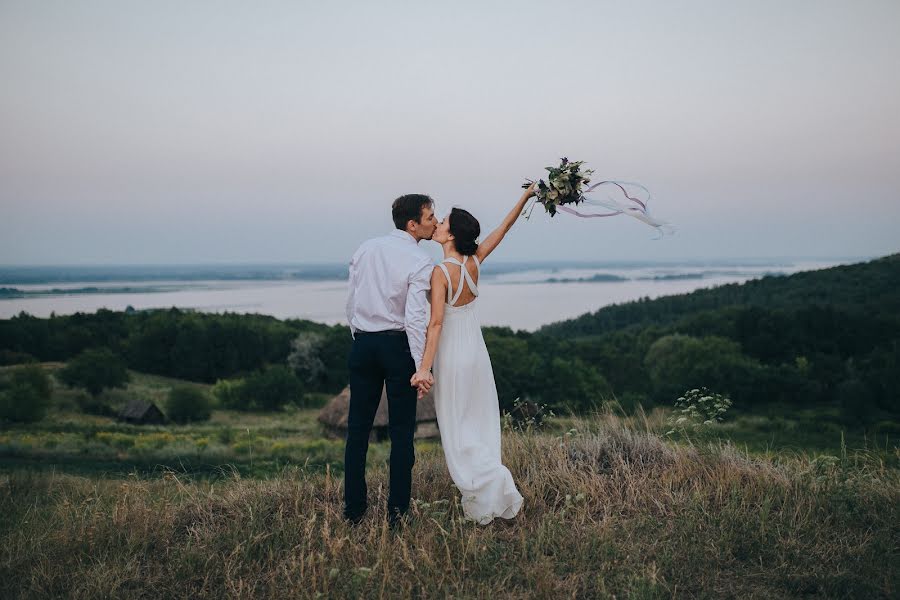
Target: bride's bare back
x=455, y=274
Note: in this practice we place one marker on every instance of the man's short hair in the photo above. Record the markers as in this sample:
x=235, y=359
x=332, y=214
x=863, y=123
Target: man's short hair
x=409, y=207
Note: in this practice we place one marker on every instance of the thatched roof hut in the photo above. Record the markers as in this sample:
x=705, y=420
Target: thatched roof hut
x=334, y=417
x=141, y=412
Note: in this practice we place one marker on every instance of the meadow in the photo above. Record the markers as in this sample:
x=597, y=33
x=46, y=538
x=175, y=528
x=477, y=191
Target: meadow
x=249, y=505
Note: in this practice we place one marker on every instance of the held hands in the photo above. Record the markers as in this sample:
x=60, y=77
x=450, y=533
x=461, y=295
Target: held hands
x=423, y=380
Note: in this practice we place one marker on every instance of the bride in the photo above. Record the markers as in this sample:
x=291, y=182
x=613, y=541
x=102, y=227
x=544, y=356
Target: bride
x=465, y=396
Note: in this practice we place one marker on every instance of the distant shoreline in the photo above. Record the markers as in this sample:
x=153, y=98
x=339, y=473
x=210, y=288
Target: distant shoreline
x=11, y=275
x=11, y=292
x=519, y=293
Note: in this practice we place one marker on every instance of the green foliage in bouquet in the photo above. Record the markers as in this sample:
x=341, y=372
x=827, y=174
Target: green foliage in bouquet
x=564, y=185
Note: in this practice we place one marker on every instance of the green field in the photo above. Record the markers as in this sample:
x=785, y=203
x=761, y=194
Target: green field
x=251, y=444
x=262, y=444
x=248, y=505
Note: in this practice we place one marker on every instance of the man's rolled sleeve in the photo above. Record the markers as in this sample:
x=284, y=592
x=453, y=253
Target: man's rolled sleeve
x=417, y=312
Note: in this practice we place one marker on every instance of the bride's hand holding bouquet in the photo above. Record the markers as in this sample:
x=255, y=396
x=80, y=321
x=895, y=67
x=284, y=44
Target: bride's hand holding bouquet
x=567, y=185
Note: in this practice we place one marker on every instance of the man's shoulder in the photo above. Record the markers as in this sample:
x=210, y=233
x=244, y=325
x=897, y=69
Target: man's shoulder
x=387, y=239
x=420, y=254
x=369, y=244
x=390, y=245
x=380, y=239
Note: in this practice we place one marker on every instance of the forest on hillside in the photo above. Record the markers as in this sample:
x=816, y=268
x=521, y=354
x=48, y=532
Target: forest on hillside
x=813, y=339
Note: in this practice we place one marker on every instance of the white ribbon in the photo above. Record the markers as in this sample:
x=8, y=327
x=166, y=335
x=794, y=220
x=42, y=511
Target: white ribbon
x=631, y=206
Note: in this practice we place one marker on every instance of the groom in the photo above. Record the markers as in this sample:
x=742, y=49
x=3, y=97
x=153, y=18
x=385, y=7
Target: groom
x=387, y=309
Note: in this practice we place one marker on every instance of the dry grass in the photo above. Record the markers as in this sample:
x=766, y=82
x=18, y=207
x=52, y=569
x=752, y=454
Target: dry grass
x=610, y=511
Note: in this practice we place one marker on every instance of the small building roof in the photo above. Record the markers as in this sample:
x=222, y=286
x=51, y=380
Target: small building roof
x=138, y=410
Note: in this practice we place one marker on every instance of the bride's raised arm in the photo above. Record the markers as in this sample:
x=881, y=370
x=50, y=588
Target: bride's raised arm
x=491, y=241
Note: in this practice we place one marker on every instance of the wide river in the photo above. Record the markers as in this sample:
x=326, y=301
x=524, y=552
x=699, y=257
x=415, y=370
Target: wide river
x=521, y=299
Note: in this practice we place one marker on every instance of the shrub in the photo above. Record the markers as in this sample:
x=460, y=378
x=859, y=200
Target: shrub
x=315, y=400
x=630, y=401
x=95, y=370
x=227, y=392
x=226, y=435
x=574, y=385
x=678, y=362
x=697, y=409
x=93, y=405
x=186, y=404
x=11, y=357
x=26, y=395
x=514, y=366
x=305, y=357
x=334, y=350
x=272, y=388
x=526, y=415
x=858, y=404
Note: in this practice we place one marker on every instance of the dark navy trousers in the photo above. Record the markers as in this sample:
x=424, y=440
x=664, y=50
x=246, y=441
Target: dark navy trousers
x=377, y=360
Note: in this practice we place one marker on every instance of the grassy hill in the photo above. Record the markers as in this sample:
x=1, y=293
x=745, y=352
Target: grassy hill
x=248, y=505
x=610, y=511
x=779, y=501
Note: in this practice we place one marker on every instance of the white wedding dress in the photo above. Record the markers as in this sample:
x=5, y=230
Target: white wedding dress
x=468, y=411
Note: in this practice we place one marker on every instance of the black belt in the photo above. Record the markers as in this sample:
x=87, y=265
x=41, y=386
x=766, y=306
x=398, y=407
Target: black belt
x=385, y=332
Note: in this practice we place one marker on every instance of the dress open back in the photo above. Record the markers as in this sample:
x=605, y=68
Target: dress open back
x=468, y=410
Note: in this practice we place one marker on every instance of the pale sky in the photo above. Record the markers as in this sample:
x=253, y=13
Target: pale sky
x=188, y=132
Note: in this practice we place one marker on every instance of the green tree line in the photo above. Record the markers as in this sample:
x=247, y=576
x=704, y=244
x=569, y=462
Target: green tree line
x=821, y=337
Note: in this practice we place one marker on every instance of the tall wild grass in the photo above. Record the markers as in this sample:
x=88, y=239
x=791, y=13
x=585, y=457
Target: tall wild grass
x=611, y=510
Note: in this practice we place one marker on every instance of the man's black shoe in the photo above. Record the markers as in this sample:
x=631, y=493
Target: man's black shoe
x=354, y=519
x=397, y=520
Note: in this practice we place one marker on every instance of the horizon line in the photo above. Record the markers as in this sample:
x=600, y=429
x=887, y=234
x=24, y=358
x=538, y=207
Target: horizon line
x=273, y=263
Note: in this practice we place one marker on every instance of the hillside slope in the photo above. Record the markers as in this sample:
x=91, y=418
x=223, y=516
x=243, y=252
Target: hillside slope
x=863, y=288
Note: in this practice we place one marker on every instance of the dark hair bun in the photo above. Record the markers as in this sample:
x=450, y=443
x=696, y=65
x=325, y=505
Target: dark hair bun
x=465, y=230
x=466, y=248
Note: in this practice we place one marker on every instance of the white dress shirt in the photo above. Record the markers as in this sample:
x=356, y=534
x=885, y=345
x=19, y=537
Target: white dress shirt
x=389, y=281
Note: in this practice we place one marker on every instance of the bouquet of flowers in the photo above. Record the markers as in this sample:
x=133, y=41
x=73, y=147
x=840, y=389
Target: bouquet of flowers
x=566, y=185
